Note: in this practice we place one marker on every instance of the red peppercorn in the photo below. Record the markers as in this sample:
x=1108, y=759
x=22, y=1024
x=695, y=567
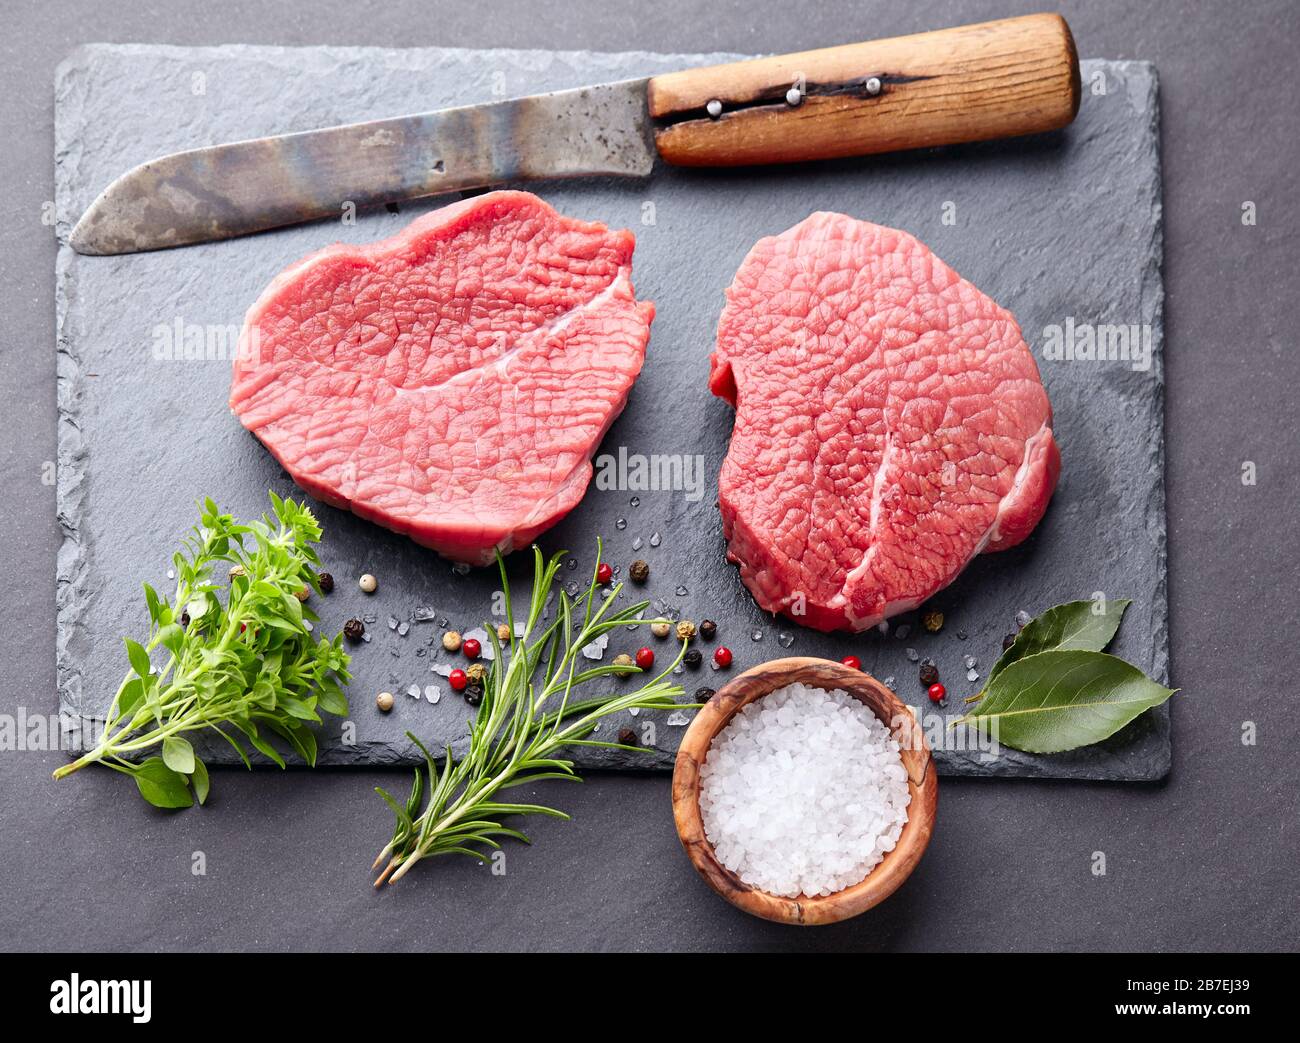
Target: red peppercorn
x=458, y=679
x=937, y=692
x=722, y=655
x=471, y=648
x=604, y=573
x=852, y=662
x=645, y=658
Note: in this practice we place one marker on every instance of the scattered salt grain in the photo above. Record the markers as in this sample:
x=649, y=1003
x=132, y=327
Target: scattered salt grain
x=596, y=649
x=969, y=662
x=785, y=639
x=486, y=651
x=678, y=718
x=403, y=629
x=1023, y=618
x=433, y=693
x=803, y=792
x=913, y=654
x=392, y=622
x=413, y=691
x=655, y=539
x=972, y=675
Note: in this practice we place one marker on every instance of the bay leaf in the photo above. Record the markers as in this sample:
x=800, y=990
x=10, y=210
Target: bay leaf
x=1073, y=625
x=1063, y=699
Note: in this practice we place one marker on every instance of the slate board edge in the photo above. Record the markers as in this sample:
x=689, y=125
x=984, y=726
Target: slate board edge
x=71, y=451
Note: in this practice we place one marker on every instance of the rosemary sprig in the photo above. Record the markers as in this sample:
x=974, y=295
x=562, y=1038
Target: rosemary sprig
x=241, y=666
x=526, y=719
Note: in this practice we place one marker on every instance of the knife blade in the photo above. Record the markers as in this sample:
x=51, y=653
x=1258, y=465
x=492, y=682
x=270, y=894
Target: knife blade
x=249, y=186
x=970, y=83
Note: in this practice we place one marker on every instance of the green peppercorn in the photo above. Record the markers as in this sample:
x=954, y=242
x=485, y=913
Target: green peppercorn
x=932, y=621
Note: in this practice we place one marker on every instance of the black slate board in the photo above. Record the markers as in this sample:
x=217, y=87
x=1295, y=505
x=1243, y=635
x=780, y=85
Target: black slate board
x=1060, y=227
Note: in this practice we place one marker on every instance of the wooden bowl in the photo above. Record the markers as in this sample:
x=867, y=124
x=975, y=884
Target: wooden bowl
x=922, y=781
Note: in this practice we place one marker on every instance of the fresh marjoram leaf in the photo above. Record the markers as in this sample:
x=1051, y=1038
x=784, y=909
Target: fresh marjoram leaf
x=239, y=661
x=526, y=719
x=1059, y=700
x=1074, y=625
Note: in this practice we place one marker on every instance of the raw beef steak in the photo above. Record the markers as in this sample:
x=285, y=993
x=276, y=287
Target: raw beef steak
x=890, y=424
x=452, y=382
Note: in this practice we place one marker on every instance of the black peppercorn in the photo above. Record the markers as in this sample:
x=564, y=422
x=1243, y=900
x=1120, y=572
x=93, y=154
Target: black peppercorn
x=703, y=695
x=185, y=619
x=473, y=694
x=353, y=629
x=326, y=582
x=639, y=571
x=693, y=658
x=627, y=737
x=1008, y=641
x=929, y=674
x=708, y=630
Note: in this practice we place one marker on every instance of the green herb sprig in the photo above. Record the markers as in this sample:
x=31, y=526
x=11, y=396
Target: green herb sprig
x=527, y=717
x=1055, y=689
x=239, y=661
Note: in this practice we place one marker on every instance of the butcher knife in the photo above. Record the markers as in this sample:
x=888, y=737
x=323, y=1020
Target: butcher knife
x=970, y=83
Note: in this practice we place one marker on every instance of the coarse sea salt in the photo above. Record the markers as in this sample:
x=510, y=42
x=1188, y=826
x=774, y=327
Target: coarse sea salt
x=803, y=792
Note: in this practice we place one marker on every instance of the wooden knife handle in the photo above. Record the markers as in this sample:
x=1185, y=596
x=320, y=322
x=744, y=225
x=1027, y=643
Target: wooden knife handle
x=971, y=83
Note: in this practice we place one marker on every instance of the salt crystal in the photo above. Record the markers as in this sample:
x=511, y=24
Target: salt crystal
x=969, y=662
x=596, y=649
x=403, y=628
x=785, y=639
x=486, y=651
x=655, y=539
x=433, y=693
x=635, y=711
x=636, y=543
x=413, y=691
x=1023, y=618
x=424, y=614
x=460, y=568
x=621, y=524
x=756, y=635
x=682, y=592
x=913, y=654
x=678, y=718
x=392, y=622
x=972, y=675
x=803, y=792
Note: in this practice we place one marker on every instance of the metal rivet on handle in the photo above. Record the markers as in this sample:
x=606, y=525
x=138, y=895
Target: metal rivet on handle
x=714, y=108
x=793, y=96
x=873, y=85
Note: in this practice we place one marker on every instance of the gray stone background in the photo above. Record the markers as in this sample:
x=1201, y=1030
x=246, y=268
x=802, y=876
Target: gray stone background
x=1204, y=861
